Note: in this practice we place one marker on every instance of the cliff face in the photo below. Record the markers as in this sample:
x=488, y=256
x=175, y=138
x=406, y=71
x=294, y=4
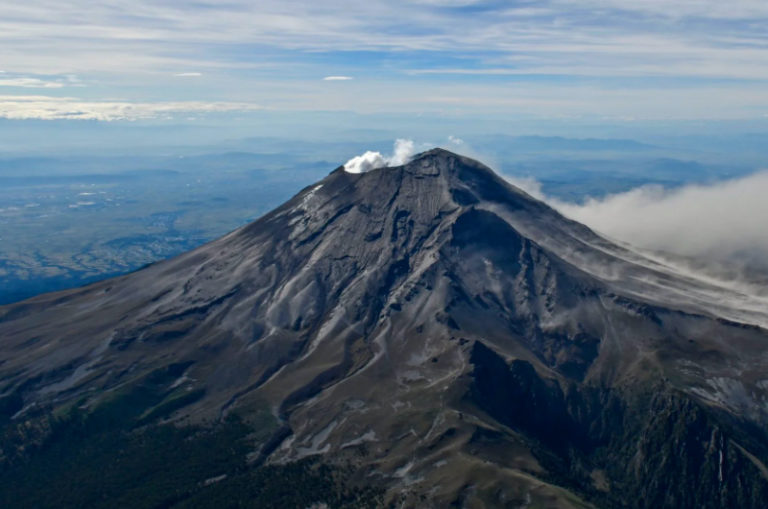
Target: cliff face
x=445, y=335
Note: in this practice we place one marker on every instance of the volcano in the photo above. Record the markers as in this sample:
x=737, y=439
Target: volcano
x=425, y=335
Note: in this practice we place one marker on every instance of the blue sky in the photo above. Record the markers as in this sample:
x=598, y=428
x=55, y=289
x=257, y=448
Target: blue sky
x=554, y=60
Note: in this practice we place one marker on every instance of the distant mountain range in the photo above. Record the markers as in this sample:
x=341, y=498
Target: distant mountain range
x=424, y=335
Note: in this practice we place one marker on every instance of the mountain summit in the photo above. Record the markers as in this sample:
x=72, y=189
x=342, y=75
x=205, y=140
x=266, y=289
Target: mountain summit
x=446, y=336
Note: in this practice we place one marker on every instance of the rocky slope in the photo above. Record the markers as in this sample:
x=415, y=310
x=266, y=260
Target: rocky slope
x=438, y=331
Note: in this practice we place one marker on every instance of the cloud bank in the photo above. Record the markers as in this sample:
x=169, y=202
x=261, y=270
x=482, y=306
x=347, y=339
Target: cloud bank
x=723, y=221
x=43, y=107
x=402, y=153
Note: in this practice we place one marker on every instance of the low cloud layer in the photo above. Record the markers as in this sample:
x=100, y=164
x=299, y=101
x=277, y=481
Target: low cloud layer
x=402, y=153
x=54, y=108
x=720, y=221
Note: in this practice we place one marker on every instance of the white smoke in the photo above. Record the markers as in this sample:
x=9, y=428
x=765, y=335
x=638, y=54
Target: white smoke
x=365, y=162
x=721, y=221
x=531, y=186
x=402, y=153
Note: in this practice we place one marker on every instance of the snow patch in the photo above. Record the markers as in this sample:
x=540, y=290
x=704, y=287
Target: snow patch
x=182, y=379
x=355, y=404
x=403, y=471
x=720, y=471
x=317, y=441
x=214, y=480
x=367, y=437
x=309, y=195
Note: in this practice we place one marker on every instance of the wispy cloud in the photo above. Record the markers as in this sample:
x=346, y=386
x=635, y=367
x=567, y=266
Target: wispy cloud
x=541, y=35
x=188, y=74
x=643, y=48
x=56, y=108
x=701, y=9
x=30, y=83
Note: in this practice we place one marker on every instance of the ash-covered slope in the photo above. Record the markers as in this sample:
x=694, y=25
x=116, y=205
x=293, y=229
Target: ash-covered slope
x=445, y=334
